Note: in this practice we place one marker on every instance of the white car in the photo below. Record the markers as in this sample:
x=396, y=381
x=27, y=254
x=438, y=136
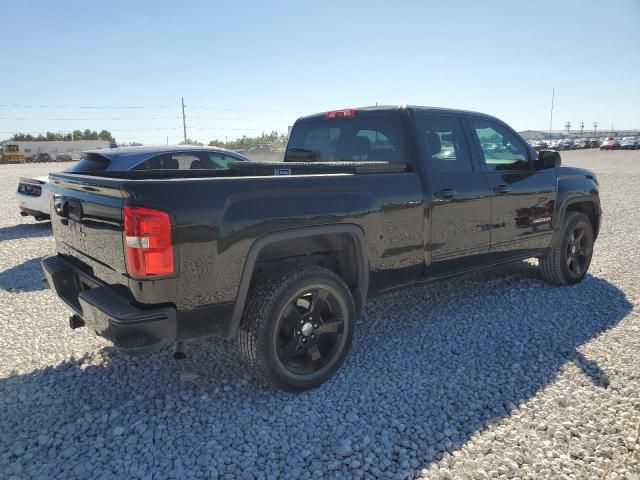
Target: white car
x=33, y=197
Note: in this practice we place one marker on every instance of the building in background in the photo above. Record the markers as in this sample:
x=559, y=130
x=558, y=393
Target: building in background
x=26, y=151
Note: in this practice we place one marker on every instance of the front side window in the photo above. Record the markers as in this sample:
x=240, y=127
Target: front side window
x=501, y=149
x=443, y=142
x=372, y=138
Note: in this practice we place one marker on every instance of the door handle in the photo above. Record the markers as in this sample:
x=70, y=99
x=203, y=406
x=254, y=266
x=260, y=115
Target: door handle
x=445, y=194
x=502, y=189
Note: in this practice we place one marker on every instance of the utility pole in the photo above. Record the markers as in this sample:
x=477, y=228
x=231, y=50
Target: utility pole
x=553, y=95
x=567, y=126
x=167, y=140
x=581, y=127
x=184, y=122
x=595, y=128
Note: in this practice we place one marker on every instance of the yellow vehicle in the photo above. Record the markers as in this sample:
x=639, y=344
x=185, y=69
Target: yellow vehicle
x=12, y=154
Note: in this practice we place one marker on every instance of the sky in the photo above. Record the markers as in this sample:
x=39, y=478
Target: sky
x=244, y=67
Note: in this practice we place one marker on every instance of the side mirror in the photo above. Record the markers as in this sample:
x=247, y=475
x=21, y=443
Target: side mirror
x=548, y=159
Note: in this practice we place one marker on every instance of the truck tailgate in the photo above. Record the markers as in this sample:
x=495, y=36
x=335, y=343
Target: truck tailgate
x=86, y=217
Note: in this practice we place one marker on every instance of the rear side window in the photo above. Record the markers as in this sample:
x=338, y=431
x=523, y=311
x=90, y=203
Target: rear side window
x=443, y=143
x=372, y=138
x=90, y=162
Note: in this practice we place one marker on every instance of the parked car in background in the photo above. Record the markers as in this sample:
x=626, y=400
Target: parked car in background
x=566, y=144
x=33, y=193
x=610, y=143
x=538, y=144
x=629, y=143
x=41, y=158
x=63, y=157
x=33, y=197
x=594, y=143
x=582, y=143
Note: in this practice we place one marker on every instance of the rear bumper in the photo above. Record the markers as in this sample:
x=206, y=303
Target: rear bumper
x=109, y=313
x=32, y=205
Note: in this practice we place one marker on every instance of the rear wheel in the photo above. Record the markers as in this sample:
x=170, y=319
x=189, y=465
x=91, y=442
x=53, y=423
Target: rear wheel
x=570, y=255
x=297, y=327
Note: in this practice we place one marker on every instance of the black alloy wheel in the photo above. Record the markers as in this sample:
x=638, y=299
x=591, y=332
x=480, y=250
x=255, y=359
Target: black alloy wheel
x=310, y=331
x=297, y=327
x=578, y=251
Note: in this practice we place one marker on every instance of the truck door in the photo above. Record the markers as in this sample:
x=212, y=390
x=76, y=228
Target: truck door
x=459, y=199
x=522, y=199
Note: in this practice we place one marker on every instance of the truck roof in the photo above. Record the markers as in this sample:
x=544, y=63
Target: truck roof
x=383, y=108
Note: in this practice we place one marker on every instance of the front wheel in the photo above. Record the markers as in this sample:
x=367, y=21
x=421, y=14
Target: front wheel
x=297, y=327
x=570, y=255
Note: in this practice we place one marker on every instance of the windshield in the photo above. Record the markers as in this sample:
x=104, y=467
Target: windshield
x=363, y=138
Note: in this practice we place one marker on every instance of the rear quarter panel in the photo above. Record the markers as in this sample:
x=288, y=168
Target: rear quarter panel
x=217, y=221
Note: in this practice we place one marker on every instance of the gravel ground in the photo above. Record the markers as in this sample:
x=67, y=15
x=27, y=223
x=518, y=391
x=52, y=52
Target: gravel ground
x=485, y=376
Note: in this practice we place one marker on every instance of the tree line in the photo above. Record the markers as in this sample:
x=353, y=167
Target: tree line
x=75, y=135
x=274, y=138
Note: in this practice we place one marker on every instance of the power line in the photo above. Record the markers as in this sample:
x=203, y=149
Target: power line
x=241, y=109
x=222, y=118
x=115, y=107
x=139, y=107
x=89, y=119
x=217, y=129
x=62, y=119
x=228, y=129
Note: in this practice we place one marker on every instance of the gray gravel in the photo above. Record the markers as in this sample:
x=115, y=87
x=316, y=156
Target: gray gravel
x=478, y=377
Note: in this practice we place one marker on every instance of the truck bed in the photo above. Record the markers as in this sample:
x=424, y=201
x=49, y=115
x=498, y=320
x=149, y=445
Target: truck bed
x=243, y=169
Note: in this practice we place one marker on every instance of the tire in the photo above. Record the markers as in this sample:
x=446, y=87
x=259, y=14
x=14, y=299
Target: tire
x=568, y=252
x=288, y=338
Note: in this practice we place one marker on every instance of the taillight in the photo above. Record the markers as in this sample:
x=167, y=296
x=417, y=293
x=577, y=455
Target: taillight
x=148, y=249
x=348, y=113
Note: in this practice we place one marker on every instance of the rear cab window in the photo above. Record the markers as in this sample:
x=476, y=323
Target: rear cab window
x=368, y=136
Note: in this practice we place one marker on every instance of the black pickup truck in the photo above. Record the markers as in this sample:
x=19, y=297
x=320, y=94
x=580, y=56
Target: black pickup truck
x=282, y=256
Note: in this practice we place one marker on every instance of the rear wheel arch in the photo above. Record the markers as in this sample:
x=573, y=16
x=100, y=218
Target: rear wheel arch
x=340, y=248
